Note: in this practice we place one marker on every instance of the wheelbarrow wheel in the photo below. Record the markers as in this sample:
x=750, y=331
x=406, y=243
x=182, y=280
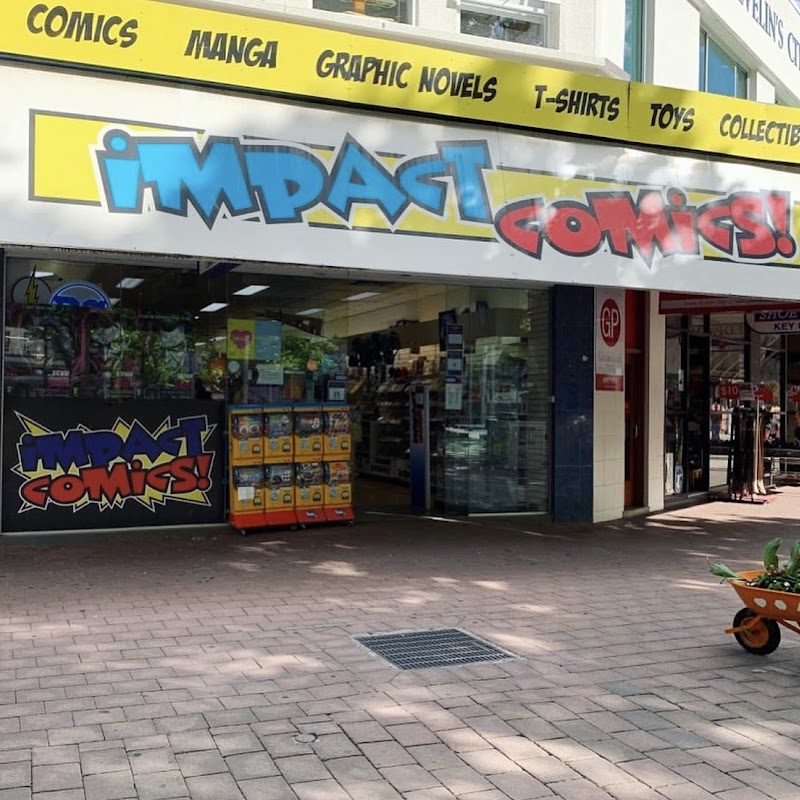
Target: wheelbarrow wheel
x=761, y=636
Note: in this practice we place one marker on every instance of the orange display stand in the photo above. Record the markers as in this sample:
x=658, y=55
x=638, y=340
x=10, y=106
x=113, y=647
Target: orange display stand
x=247, y=497
x=278, y=433
x=337, y=441
x=279, y=494
x=307, y=432
x=246, y=440
x=337, y=497
x=309, y=485
x=289, y=466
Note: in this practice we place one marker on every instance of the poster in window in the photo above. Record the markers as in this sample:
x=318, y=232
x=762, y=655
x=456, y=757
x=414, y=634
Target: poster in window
x=609, y=340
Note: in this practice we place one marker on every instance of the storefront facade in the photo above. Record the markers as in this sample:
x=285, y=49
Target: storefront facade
x=172, y=251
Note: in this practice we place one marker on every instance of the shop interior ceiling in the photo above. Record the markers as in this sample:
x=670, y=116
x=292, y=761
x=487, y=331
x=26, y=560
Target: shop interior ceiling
x=329, y=301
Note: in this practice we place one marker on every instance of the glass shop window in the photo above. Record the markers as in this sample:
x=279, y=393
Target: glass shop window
x=396, y=10
x=525, y=21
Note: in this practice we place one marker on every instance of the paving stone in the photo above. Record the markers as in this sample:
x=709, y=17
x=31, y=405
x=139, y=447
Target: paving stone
x=490, y=762
x=189, y=741
x=100, y=761
x=412, y=733
x=387, y=754
x=296, y=769
x=75, y=735
x=437, y=756
x=602, y=772
x=152, y=761
x=708, y=777
x=461, y=780
x=57, y=777
x=266, y=789
x=686, y=791
x=160, y=785
x=409, y=777
x=579, y=789
x=519, y=786
x=61, y=794
x=651, y=773
x=356, y=769
x=15, y=775
x=363, y=732
x=63, y=754
x=202, y=762
x=768, y=783
x=373, y=790
x=109, y=786
x=335, y=745
x=320, y=790
x=15, y=794
x=634, y=791
x=251, y=765
x=230, y=744
x=214, y=787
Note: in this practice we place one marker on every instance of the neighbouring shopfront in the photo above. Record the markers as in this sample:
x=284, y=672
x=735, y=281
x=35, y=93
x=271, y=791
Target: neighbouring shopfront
x=732, y=366
x=185, y=265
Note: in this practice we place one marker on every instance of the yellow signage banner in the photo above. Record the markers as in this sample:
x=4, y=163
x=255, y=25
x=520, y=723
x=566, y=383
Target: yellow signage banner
x=223, y=48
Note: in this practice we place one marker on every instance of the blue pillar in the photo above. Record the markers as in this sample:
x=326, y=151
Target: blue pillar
x=573, y=409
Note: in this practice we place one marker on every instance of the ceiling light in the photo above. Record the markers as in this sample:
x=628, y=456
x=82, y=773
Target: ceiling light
x=253, y=288
x=38, y=273
x=360, y=296
x=218, y=339
x=211, y=307
x=310, y=312
x=129, y=283
x=199, y=344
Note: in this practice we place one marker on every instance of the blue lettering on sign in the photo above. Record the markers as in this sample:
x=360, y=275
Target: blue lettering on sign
x=79, y=448
x=281, y=181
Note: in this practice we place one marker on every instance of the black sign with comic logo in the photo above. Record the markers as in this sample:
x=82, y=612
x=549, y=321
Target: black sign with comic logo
x=76, y=464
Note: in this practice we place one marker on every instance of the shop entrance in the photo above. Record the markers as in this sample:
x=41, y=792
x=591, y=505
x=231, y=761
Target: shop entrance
x=634, y=398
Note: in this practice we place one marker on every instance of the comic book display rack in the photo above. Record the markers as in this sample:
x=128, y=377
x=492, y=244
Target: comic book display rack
x=289, y=465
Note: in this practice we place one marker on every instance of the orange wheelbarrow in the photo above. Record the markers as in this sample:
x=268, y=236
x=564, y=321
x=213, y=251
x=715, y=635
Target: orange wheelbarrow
x=757, y=626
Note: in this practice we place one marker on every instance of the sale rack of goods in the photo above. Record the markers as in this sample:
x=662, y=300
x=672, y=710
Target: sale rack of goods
x=289, y=465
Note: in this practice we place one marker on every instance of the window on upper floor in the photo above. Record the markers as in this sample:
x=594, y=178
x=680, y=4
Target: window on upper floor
x=634, y=39
x=397, y=10
x=719, y=72
x=523, y=21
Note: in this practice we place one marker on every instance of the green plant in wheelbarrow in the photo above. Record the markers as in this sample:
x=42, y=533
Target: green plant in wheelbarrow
x=770, y=595
x=776, y=576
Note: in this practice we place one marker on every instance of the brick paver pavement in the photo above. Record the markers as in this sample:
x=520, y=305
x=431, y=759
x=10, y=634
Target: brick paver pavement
x=218, y=667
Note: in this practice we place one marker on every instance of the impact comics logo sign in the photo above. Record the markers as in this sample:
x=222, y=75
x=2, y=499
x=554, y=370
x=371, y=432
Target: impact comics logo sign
x=107, y=469
x=453, y=189
x=279, y=184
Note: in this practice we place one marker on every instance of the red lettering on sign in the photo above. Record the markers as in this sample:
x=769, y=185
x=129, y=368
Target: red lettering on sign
x=746, y=225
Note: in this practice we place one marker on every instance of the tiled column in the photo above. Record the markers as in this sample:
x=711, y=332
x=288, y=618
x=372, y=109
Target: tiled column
x=573, y=392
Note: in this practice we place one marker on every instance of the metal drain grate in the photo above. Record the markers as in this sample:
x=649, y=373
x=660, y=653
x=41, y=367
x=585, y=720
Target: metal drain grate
x=443, y=647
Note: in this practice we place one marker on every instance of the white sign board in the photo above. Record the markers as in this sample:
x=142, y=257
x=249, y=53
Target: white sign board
x=97, y=164
x=609, y=340
x=774, y=321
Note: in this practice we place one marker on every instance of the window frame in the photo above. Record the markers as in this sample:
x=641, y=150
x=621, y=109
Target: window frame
x=547, y=16
x=411, y=12
x=741, y=75
x=638, y=44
